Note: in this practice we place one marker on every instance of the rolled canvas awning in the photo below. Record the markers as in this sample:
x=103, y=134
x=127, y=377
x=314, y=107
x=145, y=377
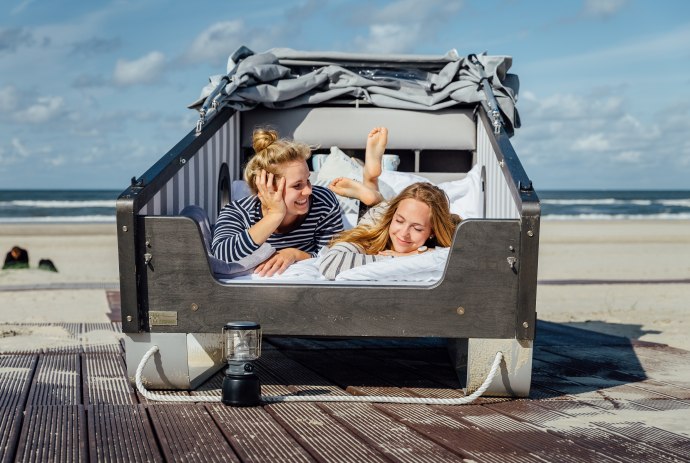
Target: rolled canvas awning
x=284, y=78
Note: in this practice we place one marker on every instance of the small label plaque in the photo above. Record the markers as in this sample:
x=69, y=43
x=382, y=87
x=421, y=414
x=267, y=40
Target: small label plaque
x=162, y=318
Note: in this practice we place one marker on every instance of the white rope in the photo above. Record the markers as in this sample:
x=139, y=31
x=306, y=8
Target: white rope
x=322, y=398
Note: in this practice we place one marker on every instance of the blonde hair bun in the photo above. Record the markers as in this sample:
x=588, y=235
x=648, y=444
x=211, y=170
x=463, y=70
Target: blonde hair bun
x=263, y=138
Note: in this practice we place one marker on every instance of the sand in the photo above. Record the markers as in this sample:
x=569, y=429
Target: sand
x=641, y=251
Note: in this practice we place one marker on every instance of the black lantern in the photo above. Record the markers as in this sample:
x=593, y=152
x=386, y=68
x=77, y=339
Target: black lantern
x=241, y=385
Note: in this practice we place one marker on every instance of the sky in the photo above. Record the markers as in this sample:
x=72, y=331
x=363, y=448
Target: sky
x=93, y=93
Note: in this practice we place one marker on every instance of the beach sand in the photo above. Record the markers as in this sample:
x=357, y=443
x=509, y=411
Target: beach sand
x=641, y=251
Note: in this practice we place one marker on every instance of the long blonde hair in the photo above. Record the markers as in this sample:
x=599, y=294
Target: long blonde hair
x=271, y=152
x=374, y=239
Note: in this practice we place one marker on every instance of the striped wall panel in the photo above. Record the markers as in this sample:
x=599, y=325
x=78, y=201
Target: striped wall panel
x=499, y=200
x=197, y=182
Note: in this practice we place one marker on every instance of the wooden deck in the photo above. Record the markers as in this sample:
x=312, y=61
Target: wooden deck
x=594, y=397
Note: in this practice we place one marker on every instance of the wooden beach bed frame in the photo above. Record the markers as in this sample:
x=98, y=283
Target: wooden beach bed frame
x=485, y=301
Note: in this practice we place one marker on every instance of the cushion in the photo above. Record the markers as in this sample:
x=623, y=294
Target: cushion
x=339, y=164
x=466, y=195
x=222, y=269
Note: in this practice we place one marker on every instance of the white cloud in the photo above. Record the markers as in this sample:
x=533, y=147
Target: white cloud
x=19, y=148
x=592, y=142
x=599, y=139
x=628, y=156
x=145, y=70
x=414, y=11
x=603, y=8
x=45, y=109
x=21, y=6
x=399, y=26
x=389, y=38
x=9, y=98
x=216, y=42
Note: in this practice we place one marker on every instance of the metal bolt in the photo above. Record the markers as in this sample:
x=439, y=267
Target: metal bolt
x=148, y=244
x=525, y=325
x=510, y=248
x=129, y=318
x=501, y=163
x=124, y=228
x=183, y=161
x=195, y=306
x=530, y=233
x=461, y=310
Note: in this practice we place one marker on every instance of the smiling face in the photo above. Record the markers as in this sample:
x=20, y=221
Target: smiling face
x=297, y=187
x=411, y=225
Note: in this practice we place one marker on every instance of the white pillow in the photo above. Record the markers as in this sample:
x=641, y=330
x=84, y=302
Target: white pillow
x=466, y=195
x=427, y=267
x=339, y=164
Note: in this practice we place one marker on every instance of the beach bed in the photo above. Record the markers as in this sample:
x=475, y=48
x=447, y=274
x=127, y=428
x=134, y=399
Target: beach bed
x=485, y=300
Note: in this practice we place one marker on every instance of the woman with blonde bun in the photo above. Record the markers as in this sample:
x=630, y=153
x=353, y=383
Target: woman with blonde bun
x=285, y=211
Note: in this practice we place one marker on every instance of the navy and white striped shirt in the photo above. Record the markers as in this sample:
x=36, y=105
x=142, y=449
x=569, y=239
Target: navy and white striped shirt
x=231, y=239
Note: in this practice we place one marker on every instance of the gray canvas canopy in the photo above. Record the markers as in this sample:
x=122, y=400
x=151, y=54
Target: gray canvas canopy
x=284, y=78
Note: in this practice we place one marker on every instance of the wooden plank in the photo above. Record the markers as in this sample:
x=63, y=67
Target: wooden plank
x=10, y=426
x=321, y=435
x=188, y=433
x=101, y=337
x=105, y=380
x=115, y=305
x=119, y=433
x=390, y=437
x=659, y=438
x=465, y=440
x=57, y=380
x=256, y=436
x=526, y=436
x=582, y=431
x=54, y=337
x=55, y=433
x=16, y=372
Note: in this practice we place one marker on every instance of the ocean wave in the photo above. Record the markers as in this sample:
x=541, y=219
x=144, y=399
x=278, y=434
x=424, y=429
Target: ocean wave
x=664, y=216
x=674, y=202
x=60, y=219
x=59, y=204
x=597, y=202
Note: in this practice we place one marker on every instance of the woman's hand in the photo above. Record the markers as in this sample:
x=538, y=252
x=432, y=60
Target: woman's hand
x=270, y=195
x=280, y=261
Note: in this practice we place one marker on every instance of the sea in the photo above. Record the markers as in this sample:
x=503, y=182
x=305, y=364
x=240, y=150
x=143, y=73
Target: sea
x=98, y=206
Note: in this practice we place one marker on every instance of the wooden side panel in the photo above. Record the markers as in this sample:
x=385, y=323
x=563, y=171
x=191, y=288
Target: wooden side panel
x=476, y=298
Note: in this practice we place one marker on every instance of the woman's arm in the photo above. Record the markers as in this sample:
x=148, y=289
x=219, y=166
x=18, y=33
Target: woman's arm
x=344, y=256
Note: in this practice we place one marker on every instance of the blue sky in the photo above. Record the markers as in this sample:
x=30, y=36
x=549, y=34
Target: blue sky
x=93, y=93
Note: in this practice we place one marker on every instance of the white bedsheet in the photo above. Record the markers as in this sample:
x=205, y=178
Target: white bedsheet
x=422, y=268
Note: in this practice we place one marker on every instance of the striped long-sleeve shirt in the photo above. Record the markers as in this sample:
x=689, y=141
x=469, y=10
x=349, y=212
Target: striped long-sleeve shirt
x=344, y=256
x=231, y=240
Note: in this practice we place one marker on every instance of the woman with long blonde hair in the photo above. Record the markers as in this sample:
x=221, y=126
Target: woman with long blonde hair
x=416, y=220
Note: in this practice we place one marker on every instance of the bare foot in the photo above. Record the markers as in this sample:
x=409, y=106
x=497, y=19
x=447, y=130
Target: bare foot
x=350, y=188
x=376, y=146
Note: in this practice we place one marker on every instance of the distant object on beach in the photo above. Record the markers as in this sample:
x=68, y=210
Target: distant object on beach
x=19, y=258
x=16, y=258
x=47, y=264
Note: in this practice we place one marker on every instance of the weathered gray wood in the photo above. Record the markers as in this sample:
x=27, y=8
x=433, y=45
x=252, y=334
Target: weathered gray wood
x=476, y=298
